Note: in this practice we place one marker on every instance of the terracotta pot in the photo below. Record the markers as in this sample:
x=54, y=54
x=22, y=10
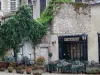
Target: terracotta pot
x=20, y=71
x=37, y=72
x=2, y=69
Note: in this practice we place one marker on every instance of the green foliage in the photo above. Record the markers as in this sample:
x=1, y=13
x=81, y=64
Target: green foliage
x=93, y=70
x=19, y=28
x=50, y=55
x=47, y=15
x=10, y=69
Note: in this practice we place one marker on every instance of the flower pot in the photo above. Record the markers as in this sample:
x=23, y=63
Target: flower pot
x=28, y=72
x=20, y=71
x=10, y=71
x=50, y=71
x=37, y=72
x=2, y=69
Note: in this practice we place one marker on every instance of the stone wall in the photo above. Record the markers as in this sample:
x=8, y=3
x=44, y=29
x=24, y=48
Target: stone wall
x=70, y=21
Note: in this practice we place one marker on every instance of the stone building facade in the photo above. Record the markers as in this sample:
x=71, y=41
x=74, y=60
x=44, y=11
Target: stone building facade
x=8, y=6
x=75, y=35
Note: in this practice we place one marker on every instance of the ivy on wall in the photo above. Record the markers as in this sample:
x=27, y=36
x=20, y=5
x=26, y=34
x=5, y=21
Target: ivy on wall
x=47, y=15
x=53, y=6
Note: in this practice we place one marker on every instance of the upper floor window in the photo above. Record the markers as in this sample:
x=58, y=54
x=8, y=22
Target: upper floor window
x=0, y=5
x=0, y=22
x=30, y=2
x=78, y=0
x=42, y=5
x=12, y=5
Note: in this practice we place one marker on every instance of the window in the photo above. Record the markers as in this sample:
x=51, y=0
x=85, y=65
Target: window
x=78, y=0
x=73, y=48
x=30, y=2
x=42, y=5
x=0, y=5
x=0, y=22
x=13, y=5
x=99, y=46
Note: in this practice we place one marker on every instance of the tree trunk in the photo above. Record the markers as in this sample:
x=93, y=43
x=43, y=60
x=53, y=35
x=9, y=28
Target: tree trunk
x=34, y=54
x=15, y=55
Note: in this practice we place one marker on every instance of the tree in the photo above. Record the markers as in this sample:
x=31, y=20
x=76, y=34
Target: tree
x=39, y=30
x=21, y=27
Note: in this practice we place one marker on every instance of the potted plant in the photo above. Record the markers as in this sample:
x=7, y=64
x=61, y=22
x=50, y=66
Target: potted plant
x=10, y=69
x=2, y=66
x=20, y=70
x=34, y=70
x=28, y=70
x=13, y=64
x=50, y=67
x=40, y=69
x=40, y=60
x=50, y=55
x=37, y=70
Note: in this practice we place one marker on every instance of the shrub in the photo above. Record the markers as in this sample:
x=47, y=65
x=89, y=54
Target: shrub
x=92, y=70
x=9, y=59
x=12, y=64
x=40, y=60
x=25, y=60
x=18, y=63
x=50, y=55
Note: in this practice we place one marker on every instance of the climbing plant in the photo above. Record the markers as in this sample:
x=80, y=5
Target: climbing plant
x=52, y=7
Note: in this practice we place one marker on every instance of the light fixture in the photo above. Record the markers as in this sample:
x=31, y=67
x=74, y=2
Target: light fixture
x=84, y=36
x=64, y=54
x=54, y=42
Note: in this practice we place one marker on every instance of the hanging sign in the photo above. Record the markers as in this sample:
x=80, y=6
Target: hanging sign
x=71, y=39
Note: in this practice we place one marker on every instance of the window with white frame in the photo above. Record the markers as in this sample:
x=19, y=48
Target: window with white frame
x=13, y=5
